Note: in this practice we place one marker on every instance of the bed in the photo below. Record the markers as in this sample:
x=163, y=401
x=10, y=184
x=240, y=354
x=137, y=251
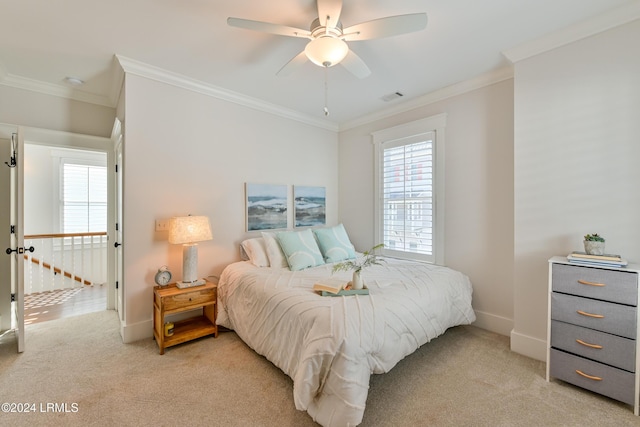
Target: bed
x=330, y=346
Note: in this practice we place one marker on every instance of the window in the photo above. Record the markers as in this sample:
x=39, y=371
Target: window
x=84, y=198
x=410, y=189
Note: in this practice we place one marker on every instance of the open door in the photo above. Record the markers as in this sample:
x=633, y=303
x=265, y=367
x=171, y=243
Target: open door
x=6, y=316
x=118, y=227
x=15, y=250
x=18, y=249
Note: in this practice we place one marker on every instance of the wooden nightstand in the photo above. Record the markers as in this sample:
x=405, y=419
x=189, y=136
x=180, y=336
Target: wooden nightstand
x=171, y=300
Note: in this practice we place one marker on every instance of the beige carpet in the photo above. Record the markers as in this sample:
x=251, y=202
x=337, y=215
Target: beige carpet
x=467, y=377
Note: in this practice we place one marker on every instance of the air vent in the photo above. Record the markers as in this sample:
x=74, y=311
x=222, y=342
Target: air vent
x=392, y=96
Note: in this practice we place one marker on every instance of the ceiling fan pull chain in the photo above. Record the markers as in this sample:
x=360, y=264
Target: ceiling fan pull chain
x=326, y=92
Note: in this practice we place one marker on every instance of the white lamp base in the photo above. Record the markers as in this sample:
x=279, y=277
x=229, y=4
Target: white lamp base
x=190, y=262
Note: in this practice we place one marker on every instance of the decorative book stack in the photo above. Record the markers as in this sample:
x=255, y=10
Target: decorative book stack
x=606, y=260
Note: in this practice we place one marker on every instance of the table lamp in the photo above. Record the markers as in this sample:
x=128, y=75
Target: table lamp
x=188, y=230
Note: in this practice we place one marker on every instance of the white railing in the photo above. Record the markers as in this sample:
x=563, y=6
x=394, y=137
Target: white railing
x=63, y=261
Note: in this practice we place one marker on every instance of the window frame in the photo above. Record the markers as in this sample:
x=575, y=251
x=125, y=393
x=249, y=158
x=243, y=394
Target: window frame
x=78, y=161
x=406, y=134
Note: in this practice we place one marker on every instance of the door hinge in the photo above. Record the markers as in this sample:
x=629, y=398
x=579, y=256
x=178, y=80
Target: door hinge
x=13, y=229
x=13, y=297
x=13, y=152
x=117, y=226
x=116, y=168
x=117, y=284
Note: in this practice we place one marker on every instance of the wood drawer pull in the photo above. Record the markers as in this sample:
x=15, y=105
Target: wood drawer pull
x=586, y=344
x=584, y=282
x=591, y=377
x=584, y=313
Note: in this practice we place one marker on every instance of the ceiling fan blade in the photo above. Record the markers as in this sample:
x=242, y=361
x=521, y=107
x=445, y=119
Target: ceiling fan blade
x=329, y=12
x=292, y=65
x=267, y=27
x=386, y=27
x=355, y=65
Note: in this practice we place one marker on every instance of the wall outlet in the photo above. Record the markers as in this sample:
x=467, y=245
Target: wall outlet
x=162, y=225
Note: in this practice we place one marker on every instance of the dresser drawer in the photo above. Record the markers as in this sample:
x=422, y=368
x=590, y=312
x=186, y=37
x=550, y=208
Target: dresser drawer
x=599, y=346
x=603, y=316
x=614, y=383
x=185, y=300
x=598, y=283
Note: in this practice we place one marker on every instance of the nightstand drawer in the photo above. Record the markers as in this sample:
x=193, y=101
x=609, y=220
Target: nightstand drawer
x=594, y=376
x=598, y=283
x=599, y=346
x=599, y=315
x=185, y=300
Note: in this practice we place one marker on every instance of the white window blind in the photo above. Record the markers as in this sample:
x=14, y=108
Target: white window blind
x=409, y=188
x=84, y=198
x=407, y=196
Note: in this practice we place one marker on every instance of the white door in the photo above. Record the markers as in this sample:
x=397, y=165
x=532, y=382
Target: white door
x=16, y=248
x=118, y=243
x=19, y=236
x=6, y=154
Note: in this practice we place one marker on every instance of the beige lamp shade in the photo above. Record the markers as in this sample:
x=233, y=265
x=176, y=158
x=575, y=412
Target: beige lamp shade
x=189, y=229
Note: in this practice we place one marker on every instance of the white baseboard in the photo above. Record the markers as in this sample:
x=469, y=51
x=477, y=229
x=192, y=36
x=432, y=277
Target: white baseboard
x=491, y=322
x=136, y=332
x=529, y=346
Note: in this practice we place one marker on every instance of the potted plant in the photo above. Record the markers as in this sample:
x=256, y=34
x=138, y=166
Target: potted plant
x=594, y=244
x=369, y=258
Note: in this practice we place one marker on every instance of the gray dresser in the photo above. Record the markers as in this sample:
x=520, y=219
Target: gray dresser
x=593, y=329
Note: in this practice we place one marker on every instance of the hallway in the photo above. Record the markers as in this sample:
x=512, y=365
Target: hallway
x=44, y=306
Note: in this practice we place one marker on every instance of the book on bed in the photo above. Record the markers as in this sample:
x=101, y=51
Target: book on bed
x=333, y=287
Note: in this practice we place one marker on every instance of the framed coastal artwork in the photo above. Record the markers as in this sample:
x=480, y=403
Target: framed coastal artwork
x=309, y=206
x=266, y=206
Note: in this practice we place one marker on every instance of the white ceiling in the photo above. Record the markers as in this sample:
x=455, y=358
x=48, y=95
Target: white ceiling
x=42, y=42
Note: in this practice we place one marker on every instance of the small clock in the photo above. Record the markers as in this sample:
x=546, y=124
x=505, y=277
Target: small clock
x=163, y=276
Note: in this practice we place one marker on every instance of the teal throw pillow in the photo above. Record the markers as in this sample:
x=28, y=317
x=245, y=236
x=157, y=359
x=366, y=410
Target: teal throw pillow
x=334, y=243
x=300, y=249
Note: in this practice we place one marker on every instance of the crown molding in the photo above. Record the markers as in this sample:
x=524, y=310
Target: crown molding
x=478, y=82
x=33, y=85
x=131, y=66
x=600, y=23
x=117, y=80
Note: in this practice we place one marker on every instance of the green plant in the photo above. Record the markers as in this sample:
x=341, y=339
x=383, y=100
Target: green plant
x=369, y=258
x=594, y=238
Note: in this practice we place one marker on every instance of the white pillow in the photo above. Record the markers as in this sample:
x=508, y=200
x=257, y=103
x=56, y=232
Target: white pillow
x=256, y=250
x=301, y=249
x=274, y=252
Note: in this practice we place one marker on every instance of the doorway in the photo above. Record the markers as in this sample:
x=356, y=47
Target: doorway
x=49, y=208
x=65, y=218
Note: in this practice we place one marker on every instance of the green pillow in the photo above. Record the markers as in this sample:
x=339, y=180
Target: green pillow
x=300, y=249
x=334, y=243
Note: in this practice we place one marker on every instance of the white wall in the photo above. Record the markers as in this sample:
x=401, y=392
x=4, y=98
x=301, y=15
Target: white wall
x=577, y=147
x=188, y=153
x=42, y=185
x=26, y=108
x=479, y=192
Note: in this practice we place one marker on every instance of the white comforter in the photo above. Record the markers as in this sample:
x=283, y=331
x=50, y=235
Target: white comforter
x=330, y=346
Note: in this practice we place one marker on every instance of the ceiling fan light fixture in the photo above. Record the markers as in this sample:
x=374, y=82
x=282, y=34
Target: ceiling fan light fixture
x=326, y=51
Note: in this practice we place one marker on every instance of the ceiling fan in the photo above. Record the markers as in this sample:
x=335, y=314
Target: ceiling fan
x=327, y=46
